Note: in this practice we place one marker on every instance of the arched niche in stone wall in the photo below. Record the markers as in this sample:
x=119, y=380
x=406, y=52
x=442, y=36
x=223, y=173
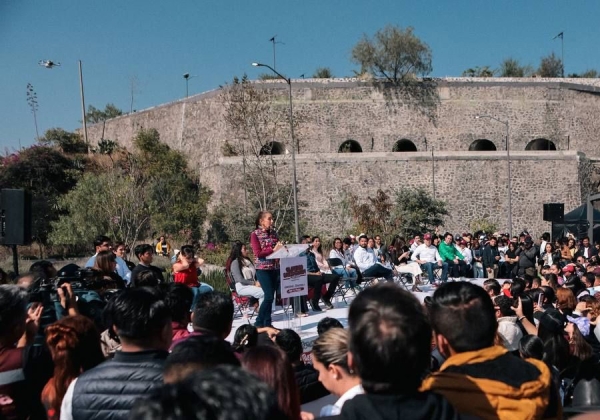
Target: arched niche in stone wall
x=404, y=145
x=350, y=146
x=540, y=144
x=272, y=148
x=481, y=145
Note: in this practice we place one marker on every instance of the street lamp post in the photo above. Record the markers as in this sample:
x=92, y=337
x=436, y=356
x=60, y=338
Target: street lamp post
x=508, y=169
x=294, y=187
x=187, y=78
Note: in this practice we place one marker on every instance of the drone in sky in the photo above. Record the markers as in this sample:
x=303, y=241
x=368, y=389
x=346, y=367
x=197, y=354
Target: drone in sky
x=48, y=63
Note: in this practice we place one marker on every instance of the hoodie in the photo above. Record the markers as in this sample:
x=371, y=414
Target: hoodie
x=493, y=384
x=421, y=405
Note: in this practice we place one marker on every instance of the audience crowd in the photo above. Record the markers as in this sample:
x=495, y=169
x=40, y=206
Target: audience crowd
x=524, y=345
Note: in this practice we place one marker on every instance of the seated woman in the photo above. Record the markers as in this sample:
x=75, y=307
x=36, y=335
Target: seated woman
x=163, y=247
x=346, y=271
x=243, y=272
x=186, y=271
x=511, y=260
x=400, y=258
x=106, y=263
x=322, y=270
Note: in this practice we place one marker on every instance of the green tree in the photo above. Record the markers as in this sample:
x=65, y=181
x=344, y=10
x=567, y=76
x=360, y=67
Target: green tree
x=95, y=115
x=66, y=141
x=550, y=66
x=110, y=204
x=394, y=54
x=483, y=224
x=418, y=211
x=322, y=73
x=484, y=71
x=47, y=174
x=511, y=67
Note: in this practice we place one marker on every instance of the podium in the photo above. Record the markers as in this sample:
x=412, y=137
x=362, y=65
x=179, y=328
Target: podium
x=293, y=279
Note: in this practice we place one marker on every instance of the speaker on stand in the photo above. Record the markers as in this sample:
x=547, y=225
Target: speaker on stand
x=554, y=213
x=15, y=220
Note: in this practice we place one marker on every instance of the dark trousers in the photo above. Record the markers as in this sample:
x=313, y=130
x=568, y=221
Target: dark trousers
x=269, y=281
x=378, y=270
x=457, y=270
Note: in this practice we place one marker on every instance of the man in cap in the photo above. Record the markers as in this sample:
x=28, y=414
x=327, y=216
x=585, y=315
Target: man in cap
x=527, y=256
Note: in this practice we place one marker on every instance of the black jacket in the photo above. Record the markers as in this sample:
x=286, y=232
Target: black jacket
x=109, y=390
x=488, y=256
x=421, y=405
x=307, y=378
x=141, y=268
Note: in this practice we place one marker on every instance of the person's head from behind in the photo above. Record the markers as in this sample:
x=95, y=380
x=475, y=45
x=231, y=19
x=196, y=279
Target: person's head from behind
x=389, y=340
x=43, y=269
x=179, y=299
x=13, y=313
x=290, y=342
x=141, y=319
x=224, y=392
x=565, y=300
x=74, y=344
x=144, y=253
x=213, y=314
x=531, y=347
x=463, y=318
x=271, y=365
x=503, y=306
x=492, y=287
x=106, y=262
x=245, y=337
x=197, y=353
x=102, y=243
x=328, y=323
x=330, y=359
x=517, y=288
x=186, y=253
x=146, y=278
x=551, y=332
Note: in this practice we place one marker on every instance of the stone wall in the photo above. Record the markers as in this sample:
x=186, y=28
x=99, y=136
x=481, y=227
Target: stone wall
x=564, y=111
x=472, y=186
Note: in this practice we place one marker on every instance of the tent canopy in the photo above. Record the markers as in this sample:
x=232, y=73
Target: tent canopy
x=576, y=222
x=580, y=215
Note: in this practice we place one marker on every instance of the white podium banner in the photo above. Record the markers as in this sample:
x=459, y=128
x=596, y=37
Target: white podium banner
x=294, y=281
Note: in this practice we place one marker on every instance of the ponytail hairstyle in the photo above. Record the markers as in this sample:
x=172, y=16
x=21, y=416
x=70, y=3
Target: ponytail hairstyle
x=331, y=348
x=74, y=343
x=245, y=337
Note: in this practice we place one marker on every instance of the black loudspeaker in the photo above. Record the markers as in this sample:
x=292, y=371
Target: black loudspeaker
x=554, y=212
x=15, y=210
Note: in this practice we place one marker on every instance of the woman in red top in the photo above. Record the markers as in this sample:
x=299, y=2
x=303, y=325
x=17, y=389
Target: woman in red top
x=264, y=242
x=186, y=270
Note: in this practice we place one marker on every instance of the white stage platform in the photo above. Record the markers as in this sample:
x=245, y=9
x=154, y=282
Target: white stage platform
x=340, y=312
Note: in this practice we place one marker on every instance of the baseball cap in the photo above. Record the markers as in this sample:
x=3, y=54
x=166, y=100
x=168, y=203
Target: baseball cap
x=569, y=268
x=352, y=237
x=427, y=236
x=528, y=239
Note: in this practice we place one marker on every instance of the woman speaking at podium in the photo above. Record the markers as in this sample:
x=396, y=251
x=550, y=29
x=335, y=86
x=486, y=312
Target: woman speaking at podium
x=264, y=242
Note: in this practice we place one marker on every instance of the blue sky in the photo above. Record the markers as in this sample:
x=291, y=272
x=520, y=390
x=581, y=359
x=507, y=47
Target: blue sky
x=156, y=42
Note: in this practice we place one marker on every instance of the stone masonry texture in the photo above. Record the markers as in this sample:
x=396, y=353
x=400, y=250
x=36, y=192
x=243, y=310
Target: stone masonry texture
x=440, y=123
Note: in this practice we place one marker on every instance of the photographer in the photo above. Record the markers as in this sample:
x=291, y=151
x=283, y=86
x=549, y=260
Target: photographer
x=527, y=256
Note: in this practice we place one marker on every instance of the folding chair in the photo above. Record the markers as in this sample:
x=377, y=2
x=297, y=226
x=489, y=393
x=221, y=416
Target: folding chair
x=363, y=281
x=241, y=303
x=345, y=286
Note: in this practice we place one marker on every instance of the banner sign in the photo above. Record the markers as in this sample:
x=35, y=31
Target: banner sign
x=294, y=281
